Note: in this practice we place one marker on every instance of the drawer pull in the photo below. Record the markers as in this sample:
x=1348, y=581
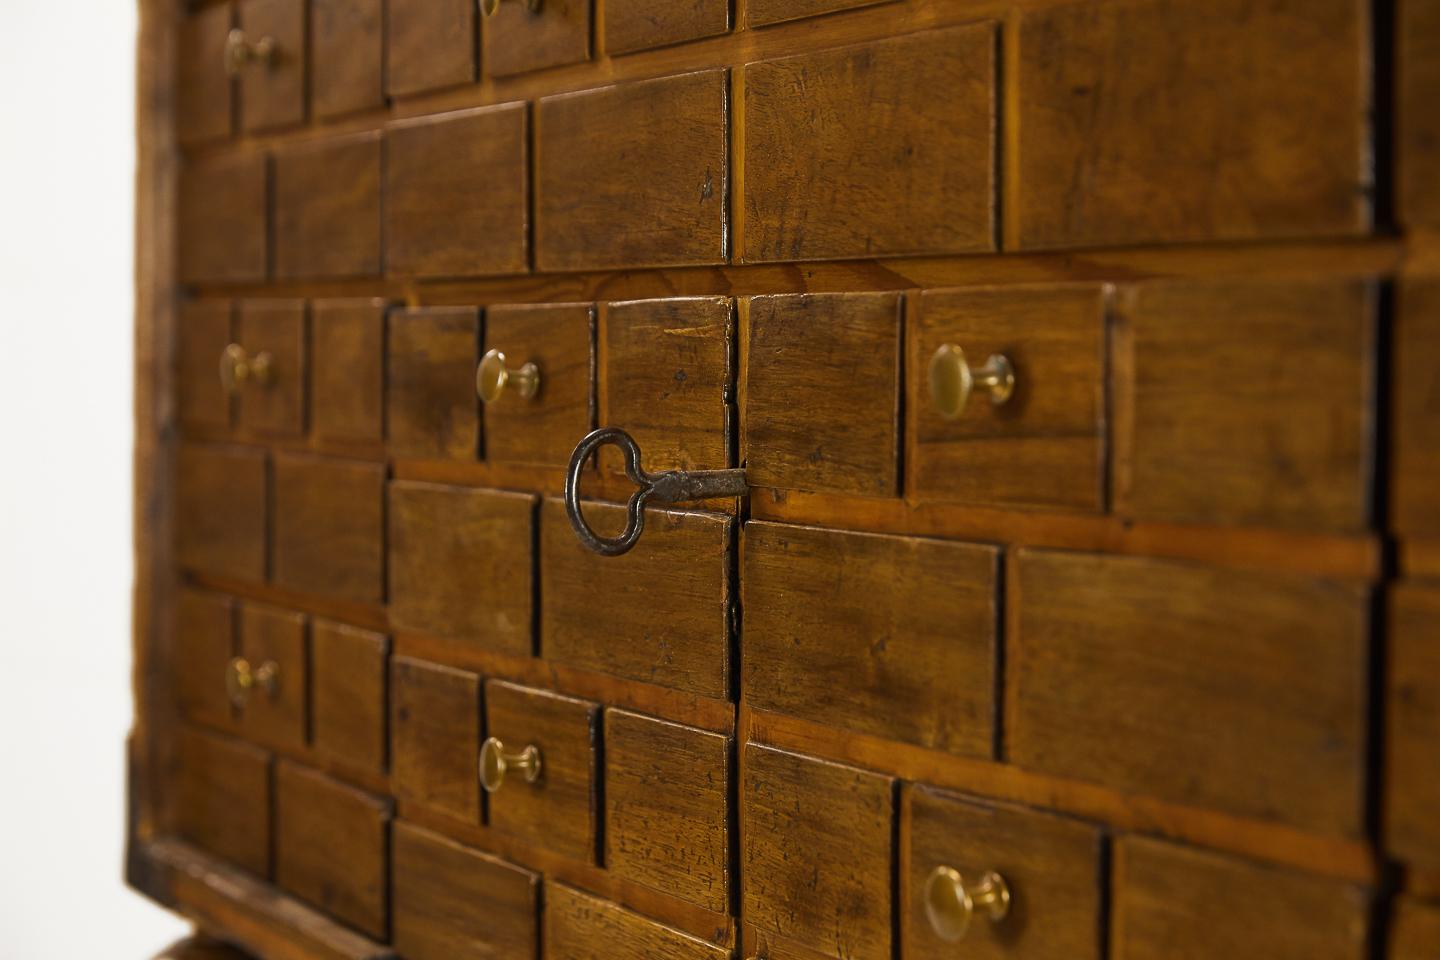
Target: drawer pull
x=673, y=486
x=495, y=763
x=238, y=368
x=952, y=379
x=491, y=7
x=240, y=52
x=241, y=678
x=493, y=377
x=950, y=905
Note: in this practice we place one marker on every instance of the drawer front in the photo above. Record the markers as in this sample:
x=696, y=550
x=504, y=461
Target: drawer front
x=329, y=526
x=559, y=809
x=456, y=193
x=1221, y=688
x=668, y=598
x=759, y=13
x=222, y=798
x=274, y=640
x=581, y=927
x=435, y=737
x=821, y=392
x=347, y=369
x=890, y=636
x=460, y=564
x=273, y=94
x=203, y=91
x=632, y=25
x=1418, y=133
x=1050, y=865
x=327, y=209
x=348, y=694
x=1413, y=697
x=880, y=149
x=431, y=44
x=1169, y=898
x=665, y=807
x=431, y=410
x=273, y=332
x=223, y=224
x=656, y=196
x=220, y=511
x=666, y=380
x=1045, y=445
x=1415, y=510
x=204, y=645
x=816, y=840
x=517, y=39
x=1416, y=932
x=347, y=52
x=204, y=331
x=450, y=901
x=1246, y=402
x=558, y=339
x=1265, y=154
x=331, y=847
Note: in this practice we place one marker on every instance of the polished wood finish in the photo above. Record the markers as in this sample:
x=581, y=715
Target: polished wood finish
x=581, y=927
x=435, y=737
x=1417, y=931
x=222, y=801
x=1413, y=724
x=221, y=510
x=347, y=369
x=1417, y=34
x=273, y=94
x=430, y=405
x=348, y=695
x=559, y=339
x=429, y=44
x=205, y=642
x=277, y=328
x=347, y=56
x=223, y=219
x=517, y=40
x=762, y=12
x=1416, y=392
x=329, y=527
x=632, y=25
x=327, y=209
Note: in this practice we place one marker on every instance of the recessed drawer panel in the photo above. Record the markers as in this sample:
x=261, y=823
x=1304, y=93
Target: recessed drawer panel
x=891, y=636
x=220, y=513
x=456, y=193
x=431, y=44
x=329, y=527
x=272, y=91
x=1246, y=402
x=451, y=901
x=431, y=409
x=327, y=209
x=1416, y=437
x=881, y=149
x=204, y=333
x=632, y=25
x=1043, y=444
x=1231, y=689
x=581, y=927
x=460, y=564
x=1169, y=898
x=205, y=643
x=273, y=644
x=269, y=375
x=203, y=89
x=348, y=691
x=1050, y=865
x=331, y=845
x=222, y=219
x=821, y=392
x=518, y=39
x=222, y=798
x=655, y=196
x=347, y=50
x=347, y=369
x=556, y=806
x=668, y=598
x=435, y=735
x=665, y=807
x=544, y=427
x=817, y=853
x=1412, y=818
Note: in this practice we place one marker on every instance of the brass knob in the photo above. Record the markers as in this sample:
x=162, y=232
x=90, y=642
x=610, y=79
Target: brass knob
x=238, y=368
x=240, y=52
x=952, y=378
x=493, y=377
x=241, y=678
x=950, y=905
x=495, y=763
x=492, y=7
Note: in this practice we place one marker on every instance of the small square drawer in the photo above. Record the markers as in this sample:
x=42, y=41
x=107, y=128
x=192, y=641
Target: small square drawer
x=535, y=381
x=435, y=737
x=430, y=44
x=579, y=926
x=204, y=332
x=222, y=798
x=220, y=511
x=1006, y=397
x=272, y=701
x=521, y=36
x=665, y=807
x=450, y=901
x=331, y=843
x=890, y=636
x=223, y=215
x=632, y=25
x=1046, y=871
x=348, y=706
x=347, y=370
x=266, y=368
x=204, y=92
x=1412, y=826
x=330, y=527
x=204, y=647
x=431, y=409
x=347, y=53
x=327, y=209
x=270, y=63
x=538, y=766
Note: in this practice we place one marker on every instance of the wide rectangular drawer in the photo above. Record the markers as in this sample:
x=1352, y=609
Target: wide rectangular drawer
x=222, y=798
x=435, y=737
x=579, y=926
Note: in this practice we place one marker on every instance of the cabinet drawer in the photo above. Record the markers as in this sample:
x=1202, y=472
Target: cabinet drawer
x=817, y=853
x=632, y=25
x=430, y=44
x=456, y=193
x=517, y=40
x=1413, y=703
x=347, y=52
x=1231, y=689
x=557, y=338
x=223, y=225
x=1045, y=445
x=668, y=598
x=203, y=91
x=1265, y=153
x=1416, y=932
x=204, y=645
x=274, y=641
x=451, y=901
x=222, y=798
x=272, y=332
x=331, y=845
x=890, y=636
x=558, y=810
x=880, y=149
x=665, y=807
x=759, y=13
x=1246, y=402
x=1051, y=866
x=220, y=511
x=821, y=392
x=347, y=369
x=460, y=564
x=348, y=691
x=435, y=736
x=204, y=331
x=1418, y=128
x=1171, y=901
x=581, y=927
x=273, y=94
x=1416, y=392
x=431, y=410
x=329, y=527
x=327, y=209
x=654, y=197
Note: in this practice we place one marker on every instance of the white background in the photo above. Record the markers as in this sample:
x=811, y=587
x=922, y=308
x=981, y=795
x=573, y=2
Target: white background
x=66, y=291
